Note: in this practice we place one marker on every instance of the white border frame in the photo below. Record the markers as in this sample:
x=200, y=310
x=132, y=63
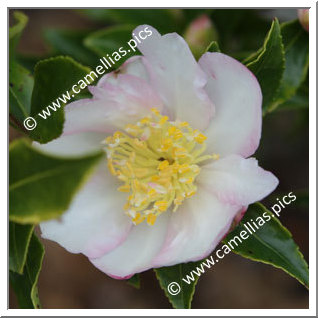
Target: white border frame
x=312, y=163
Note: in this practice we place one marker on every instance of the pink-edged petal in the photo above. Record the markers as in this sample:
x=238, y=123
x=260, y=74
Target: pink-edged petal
x=137, y=66
x=177, y=77
x=237, y=219
x=195, y=229
x=95, y=223
x=136, y=253
x=235, y=91
x=239, y=216
x=237, y=181
x=80, y=144
x=119, y=99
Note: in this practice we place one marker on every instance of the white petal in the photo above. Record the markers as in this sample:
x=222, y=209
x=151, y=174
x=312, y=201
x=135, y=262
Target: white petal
x=195, y=229
x=118, y=100
x=238, y=181
x=177, y=77
x=136, y=253
x=136, y=65
x=95, y=223
x=73, y=145
x=236, y=126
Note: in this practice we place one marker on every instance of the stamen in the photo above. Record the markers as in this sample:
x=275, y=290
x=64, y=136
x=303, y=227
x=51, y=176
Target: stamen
x=157, y=162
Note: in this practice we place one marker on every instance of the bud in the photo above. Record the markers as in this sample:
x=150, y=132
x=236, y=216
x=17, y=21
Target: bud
x=199, y=34
x=303, y=15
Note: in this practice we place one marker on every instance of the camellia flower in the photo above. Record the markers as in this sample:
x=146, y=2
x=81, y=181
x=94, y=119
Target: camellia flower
x=176, y=135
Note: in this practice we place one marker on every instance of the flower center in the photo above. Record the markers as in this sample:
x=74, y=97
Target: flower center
x=157, y=160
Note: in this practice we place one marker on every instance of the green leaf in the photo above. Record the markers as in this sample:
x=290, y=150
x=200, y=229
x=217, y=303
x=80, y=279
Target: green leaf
x=25, y=285
x=268, y=65
x=20, y=81
x=174, y=274
x=70, y=42
x=298, y=101
x=52, y=78
x=19, y=239
x=40, y=186
x=272, y=243
x=162, y=19
x=16, y=30
x=213, y=47
x=109, y=41
x=134, y=281
x=20, y=90
x=295, y=40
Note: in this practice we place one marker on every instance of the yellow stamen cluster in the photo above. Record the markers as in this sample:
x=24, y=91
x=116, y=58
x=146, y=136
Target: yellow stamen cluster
x=157, y=160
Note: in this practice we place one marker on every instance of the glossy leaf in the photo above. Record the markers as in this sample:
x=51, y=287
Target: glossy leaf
x=20, y=80
x=20, y=91
x=25, y=285
x=70, y=42
x=268, y=64
x=107, y=42
x=41, y=187
x=134, y=281
x=295, y=40
x=19, y=239
x=52, y=78
x=213, y=47
x=272, y=243
x=174, y=274
x=299, y=101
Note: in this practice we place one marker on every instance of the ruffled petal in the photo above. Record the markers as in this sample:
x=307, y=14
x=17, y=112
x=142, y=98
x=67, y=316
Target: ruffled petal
x=195, y=229
x=95, y=223
x=177, y=77
x=80, y=144
x=237, y=181
x=137, y=66
x=236, y=126
x=136, y=253
x=119, y=99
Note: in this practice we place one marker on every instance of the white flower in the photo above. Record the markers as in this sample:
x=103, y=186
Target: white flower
x=177, y=134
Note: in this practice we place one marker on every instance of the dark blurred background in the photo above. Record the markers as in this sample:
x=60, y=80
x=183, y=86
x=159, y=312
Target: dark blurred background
x=70, y=281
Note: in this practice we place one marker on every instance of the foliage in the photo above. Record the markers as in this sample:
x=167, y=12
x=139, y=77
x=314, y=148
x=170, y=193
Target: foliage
x=41, y=186
x=25, y=284
x=174, y=274
x=272, y=244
